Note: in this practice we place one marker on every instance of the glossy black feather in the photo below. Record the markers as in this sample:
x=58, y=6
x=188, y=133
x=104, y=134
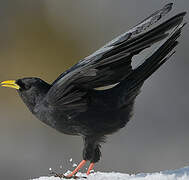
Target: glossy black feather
x=138, y=29
x=112, y=67
x=74, y=105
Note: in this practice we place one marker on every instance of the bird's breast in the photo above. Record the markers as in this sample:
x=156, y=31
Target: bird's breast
x=57, y=119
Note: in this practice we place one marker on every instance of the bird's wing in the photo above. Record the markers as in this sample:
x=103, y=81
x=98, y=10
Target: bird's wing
x=113, y=52
x=130, y=87
x=110, y=64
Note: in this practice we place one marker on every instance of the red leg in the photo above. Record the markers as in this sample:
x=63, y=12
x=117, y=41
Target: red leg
x=90, y=168
x=82, y=163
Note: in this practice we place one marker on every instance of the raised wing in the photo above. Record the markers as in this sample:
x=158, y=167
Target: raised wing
x=106, y=51
x=130, y=87
x=110, y=64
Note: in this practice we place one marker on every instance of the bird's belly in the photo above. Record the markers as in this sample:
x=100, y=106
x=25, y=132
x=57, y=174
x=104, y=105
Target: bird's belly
x=91, y=122
x=103, y=123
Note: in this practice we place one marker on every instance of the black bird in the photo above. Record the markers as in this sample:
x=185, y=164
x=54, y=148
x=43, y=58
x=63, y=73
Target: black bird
x=95, y=97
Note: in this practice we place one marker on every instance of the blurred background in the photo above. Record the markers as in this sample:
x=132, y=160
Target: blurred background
x=45, y=37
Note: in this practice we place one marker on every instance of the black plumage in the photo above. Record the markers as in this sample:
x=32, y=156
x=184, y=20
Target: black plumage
x=95, y=97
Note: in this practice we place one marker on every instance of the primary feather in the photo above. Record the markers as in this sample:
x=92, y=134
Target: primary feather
x=111, y=64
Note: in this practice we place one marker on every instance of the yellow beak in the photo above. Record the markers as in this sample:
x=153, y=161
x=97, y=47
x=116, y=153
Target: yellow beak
x=10, y=84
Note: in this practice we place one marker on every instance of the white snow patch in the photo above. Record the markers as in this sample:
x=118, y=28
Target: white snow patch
x=179, y=174
x=74, y=165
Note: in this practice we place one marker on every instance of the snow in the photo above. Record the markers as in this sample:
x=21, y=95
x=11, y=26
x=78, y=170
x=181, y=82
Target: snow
x=74, y=165
x=179, y=174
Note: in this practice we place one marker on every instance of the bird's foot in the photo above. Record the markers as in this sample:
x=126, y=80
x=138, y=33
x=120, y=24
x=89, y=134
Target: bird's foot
x=66, y=177
x=82, y=163
x=73, y=174
x=91, y=166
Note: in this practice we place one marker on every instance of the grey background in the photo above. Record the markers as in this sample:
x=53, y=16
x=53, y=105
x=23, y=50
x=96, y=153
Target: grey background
x=45, y=37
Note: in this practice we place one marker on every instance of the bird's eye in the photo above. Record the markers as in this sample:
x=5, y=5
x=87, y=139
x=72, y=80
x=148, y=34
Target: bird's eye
x=27, y=86
x=23, y=86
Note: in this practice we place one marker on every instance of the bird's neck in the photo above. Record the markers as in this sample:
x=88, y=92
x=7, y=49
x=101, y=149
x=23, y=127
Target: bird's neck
x=31, y=102
x=34, y=98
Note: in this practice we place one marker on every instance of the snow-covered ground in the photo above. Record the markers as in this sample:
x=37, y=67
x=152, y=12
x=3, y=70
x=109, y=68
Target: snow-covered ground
x=179, y=174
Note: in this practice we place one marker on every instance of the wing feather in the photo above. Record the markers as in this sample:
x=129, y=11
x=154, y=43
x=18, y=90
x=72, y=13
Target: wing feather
x=110, y=64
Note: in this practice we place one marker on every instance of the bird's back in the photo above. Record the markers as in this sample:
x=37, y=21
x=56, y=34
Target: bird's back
x=76, y=102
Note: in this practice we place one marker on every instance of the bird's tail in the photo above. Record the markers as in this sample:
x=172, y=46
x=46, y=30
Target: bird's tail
x=151, y=64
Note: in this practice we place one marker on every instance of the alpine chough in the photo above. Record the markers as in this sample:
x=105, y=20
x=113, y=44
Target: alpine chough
x=95, y=97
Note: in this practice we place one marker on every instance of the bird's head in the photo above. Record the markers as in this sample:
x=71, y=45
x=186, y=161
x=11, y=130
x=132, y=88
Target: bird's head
x=31, y=89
